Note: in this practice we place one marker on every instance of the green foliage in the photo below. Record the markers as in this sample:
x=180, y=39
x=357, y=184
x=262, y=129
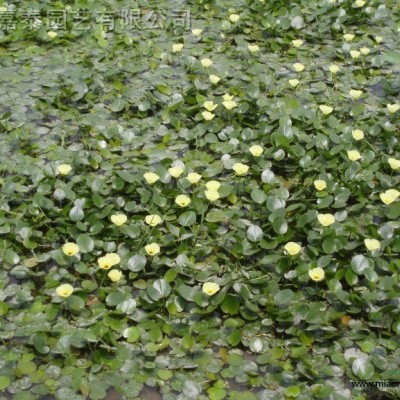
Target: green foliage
x=221, y=305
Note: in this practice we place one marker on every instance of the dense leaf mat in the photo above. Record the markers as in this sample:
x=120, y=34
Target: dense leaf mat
x=200, y=212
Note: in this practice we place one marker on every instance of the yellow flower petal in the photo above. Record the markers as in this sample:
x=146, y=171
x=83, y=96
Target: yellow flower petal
x=334, y=69
x=115, y=275
x=207, y=115
x=153, y=219
x=206, y=62
x=193, y=177
x=240, y=169
x=176, y=48
x=297, y=43
x=119, y=219
x=326, y=219
x=64, y=169
x=355, y=94
x=325, y=109
x=348, y=37
x=65, y=290
x=394, y=163
x=210, y=288
x=151, y=177
x=214, y=79
x=353, y=155
x=182, y=200
x=393, y=107
x=211, y=195
x=197, y=32
x=70, y=249
x=176, y=172
x=234, y=17
x=256, y=150
x=298, y=67
x=357, y=134
x=213, y=185
x=372, y=244
x=253, y=48
x=152, y=249
x=230, y=104
x=317, y=274
x=209, y=105
x=292, y=248
x=320, y=184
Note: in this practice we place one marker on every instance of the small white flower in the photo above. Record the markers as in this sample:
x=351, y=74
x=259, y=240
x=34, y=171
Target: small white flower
x=197, y=32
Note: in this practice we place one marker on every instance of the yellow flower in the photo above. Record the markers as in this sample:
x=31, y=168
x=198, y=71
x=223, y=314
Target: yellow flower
x=240, y=169
x=197, y=32
x=214, y=79
x=114, y=257
x=253, y=48
x=355, y=53
x=359, y=3
x=119, y=219
x=320, y=184
x=297, y=43
x=107, y=261
x=348, y=37
x=65, y=290
x=206, y=62
x=152, y=249
x=355, y=94
x=293, y=82
x=209, y=105
x=176, y=48
x=316, y=274
x=256, y=150
x=326, y=219
x=389, y=196
x=207, y=115
x=51, y=34
x=210, y=288
x=227, y=97
x=394, y=163
x=378, y=39
x=193, y=177
x=153, y=219
x=234, y=17
x=334, y=69
x=213, y=185
x=357, y=134
x=292, y=248
x=325, y=109
x=115, y=275
x=230, y=104
x=151, y=177
x=353, y=155
x=393, y=107
x=211, y=195
x=64, y=169
x=298, y=67
x=365, y=51
x=70, y=249
x=372, y=244
x=176, y=172
x=182, y=200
